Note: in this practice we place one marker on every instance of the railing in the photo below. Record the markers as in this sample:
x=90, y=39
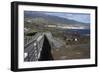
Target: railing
x=33, y=46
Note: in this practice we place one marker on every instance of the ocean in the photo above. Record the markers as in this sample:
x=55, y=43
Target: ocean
x=79, y=31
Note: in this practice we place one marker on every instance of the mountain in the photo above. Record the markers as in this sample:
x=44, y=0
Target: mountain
x=53, y=19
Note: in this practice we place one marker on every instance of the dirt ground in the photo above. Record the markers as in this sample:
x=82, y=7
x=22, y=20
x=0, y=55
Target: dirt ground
x=72, y=51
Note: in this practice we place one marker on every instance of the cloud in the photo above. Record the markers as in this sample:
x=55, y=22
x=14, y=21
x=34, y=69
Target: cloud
x=81, y=17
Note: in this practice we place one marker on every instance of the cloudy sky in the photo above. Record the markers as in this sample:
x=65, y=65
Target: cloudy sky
x=81, y=17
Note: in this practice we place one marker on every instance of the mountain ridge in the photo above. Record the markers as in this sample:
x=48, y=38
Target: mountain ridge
x=54, y=19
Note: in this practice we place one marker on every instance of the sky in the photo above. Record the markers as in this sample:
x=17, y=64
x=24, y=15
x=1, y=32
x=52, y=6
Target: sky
x=81, y=17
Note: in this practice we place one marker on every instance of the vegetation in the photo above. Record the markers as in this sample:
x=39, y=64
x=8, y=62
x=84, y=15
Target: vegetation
x=71, y=49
